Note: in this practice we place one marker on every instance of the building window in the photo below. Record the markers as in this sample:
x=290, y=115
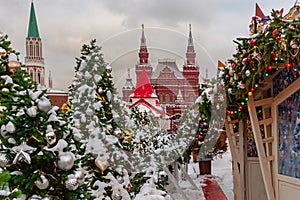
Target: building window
x=37, y=49
x=167, y=98
x=192, y=98
x=173, y=97
x=160, y=98
x=30, y=49
x=39, y=77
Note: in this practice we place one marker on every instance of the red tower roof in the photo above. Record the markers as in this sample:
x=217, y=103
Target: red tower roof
x=143, y=87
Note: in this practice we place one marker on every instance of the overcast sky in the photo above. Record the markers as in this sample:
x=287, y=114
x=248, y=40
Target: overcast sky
x=65, y=25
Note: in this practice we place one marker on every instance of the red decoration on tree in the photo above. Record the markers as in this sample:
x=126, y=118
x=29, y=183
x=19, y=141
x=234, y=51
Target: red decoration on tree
x=275, y=33
x=253, y=42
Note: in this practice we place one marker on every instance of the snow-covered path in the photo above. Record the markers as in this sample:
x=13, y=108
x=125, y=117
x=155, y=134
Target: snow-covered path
x=221, y=172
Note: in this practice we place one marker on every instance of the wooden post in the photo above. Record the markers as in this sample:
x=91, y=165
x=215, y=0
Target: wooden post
x=238, y=193
x=264, y=164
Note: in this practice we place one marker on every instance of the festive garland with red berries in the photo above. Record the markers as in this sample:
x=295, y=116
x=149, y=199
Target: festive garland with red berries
x=257, y=57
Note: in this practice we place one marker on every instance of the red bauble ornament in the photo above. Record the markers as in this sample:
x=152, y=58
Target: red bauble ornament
x=275, y=33
x=252, y=42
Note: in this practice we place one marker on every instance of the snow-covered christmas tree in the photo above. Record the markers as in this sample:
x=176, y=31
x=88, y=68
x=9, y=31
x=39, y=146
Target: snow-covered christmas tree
x=91, y=95
x=37, y=152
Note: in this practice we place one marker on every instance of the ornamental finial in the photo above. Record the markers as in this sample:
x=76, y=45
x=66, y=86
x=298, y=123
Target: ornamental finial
x=142, y=26
x=190, y=27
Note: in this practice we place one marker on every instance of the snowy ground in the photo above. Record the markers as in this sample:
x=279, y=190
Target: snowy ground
x=221, y=172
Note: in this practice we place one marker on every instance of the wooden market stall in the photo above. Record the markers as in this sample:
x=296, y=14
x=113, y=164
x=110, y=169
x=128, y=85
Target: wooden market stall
x=263, y=121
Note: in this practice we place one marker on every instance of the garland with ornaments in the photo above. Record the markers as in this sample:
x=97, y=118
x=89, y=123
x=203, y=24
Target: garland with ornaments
x=274, y=44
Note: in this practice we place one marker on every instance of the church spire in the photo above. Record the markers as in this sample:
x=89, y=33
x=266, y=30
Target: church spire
x=143, y=54
x=33, y=31
x=190, y=53
x=128, y=88
x=190, y=42
x=143, y=39
x=34, y=60
x=50, y=81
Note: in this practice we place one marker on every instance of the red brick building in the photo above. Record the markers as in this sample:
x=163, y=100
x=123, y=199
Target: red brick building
x=176, y=90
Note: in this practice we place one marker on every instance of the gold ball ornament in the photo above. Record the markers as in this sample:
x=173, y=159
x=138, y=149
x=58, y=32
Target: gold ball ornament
x=103, y=165
x=65, y=108
x=13, y=66
x=3, y=52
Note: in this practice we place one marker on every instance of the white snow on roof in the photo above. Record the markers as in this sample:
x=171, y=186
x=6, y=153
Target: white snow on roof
x=56, y=91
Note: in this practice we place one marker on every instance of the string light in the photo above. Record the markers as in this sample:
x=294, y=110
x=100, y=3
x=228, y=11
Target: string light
x=270, y=67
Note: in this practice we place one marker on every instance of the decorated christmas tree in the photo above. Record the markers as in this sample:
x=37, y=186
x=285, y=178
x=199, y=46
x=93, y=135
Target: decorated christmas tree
x=119, y=142
x=37, y=150
x=91, y=94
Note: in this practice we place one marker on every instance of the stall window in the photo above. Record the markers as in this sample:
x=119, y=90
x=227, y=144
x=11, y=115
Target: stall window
x=289, y=136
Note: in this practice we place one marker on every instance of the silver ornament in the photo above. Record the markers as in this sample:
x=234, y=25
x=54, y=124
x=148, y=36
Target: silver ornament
x=247, y=72
x=79, y=175
x=71, y=182
x=32, y=111
x=109, y=69
x=42, y=185
x=117, y=197
x=11, y=140
x=10, y=127
x=4, y=133
x=66, y=161
x=22, y=152
x=46, y=198
x=4, y=161
x=50, y=138
x=44, y=104
x=77, y=137
x=35, y=197
x=109, y=95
